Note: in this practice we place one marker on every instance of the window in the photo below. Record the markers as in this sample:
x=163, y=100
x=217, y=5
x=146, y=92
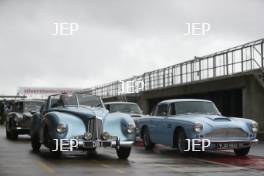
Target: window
x=162, y=110
x=19, y=107
x=200, y=107
x=89, y=100
x=172, y=109
x=125, y=108
x=32, y=106
x=55, y=101
x=107, y=107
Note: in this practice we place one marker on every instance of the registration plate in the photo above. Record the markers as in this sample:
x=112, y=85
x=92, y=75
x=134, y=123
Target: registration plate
x=226, y=146
x=92, y=144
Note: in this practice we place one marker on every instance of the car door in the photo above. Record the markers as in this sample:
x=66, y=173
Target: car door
x=159, y=123
x=168, y=125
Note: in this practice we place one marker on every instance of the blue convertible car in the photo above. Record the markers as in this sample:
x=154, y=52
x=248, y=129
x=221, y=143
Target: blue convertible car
x=178, y=121
x=81, y=122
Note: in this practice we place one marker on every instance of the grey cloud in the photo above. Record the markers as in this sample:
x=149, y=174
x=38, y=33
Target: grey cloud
x=116, y=39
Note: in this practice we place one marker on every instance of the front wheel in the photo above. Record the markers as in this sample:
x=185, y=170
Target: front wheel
x=8, y=135
x=123, y=152
x=13, y=135
x=242, y=151
x=10, y=132
x=35, y=143
x=1, y=120
x=181, y=142
x=149, y=145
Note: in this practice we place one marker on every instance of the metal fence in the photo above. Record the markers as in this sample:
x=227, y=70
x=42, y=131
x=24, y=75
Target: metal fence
x=234, y=60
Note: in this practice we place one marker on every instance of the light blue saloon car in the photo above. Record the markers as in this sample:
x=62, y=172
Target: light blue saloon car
x=174, y=121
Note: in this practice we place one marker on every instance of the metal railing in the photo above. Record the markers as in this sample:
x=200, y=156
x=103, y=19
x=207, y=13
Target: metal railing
x=242, y=58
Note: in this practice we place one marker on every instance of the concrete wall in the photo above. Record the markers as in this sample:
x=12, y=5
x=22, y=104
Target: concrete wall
x=253, y=103
x=214, y=90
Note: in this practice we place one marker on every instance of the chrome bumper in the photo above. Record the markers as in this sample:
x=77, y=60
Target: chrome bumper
x=99, y=143
x=227, y=144
x=254, y=141
x=22, y=128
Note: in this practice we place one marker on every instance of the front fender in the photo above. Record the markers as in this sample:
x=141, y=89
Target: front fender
x=115, y=124
x=75, y=125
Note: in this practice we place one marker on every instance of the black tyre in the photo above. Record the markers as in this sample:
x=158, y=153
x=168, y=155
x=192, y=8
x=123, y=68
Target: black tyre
x=55, y=150
x=148, y=144
x=8, y=135
x=13, y=135
x=181, y=141
x=242, y=151
x=1, y=120
x=35, y=144
x=123, y=152
x=10, y=132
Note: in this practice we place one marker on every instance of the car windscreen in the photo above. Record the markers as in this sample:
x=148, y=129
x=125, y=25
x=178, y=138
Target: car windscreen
x=63, y=100
x=89, y=100
x=200, y=107
x=32, y=106
x=125, y=108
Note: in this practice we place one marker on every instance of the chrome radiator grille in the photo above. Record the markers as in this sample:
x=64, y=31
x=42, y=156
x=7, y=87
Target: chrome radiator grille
x=95, y=126
x=226, y=132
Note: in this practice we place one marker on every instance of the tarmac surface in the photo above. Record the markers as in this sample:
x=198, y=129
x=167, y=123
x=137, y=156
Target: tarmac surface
x=17, y=159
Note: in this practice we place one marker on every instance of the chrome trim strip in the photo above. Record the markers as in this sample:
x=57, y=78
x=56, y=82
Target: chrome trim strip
x=126, y=143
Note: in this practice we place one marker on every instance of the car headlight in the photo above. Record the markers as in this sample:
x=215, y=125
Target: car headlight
x=198, y=127
x=254, y=126
x=61, y=128
x=131, y=128
x=105, y=136
x=87, y=136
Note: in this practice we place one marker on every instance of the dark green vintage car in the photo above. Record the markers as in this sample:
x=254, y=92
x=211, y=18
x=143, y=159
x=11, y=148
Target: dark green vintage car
x=18, y=121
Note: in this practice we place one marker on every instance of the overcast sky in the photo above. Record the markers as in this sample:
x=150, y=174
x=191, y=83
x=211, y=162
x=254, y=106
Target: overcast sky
x=116, y=38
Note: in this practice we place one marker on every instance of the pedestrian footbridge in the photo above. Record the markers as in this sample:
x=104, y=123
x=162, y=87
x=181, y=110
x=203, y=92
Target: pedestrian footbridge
x=232, y=78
